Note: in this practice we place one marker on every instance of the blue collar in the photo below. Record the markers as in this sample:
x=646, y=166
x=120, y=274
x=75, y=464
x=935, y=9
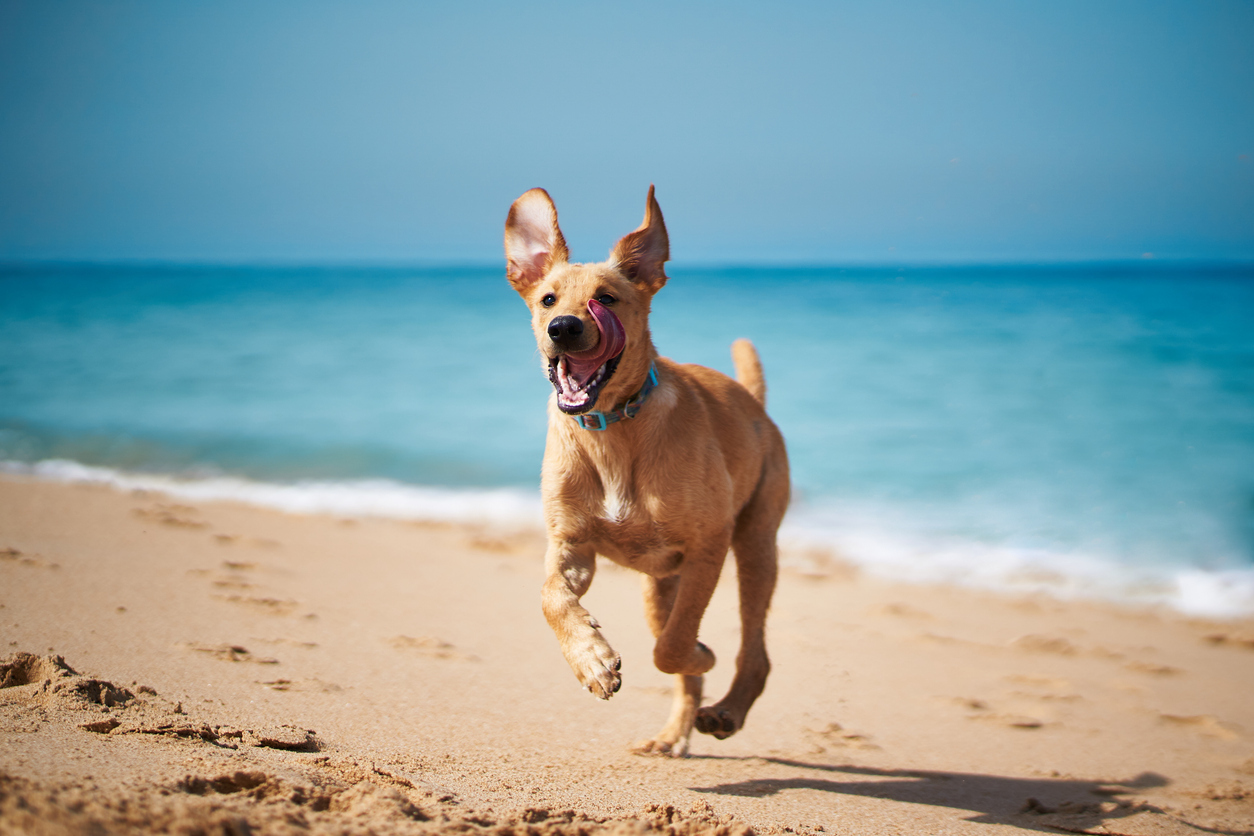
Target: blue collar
x=599, y=421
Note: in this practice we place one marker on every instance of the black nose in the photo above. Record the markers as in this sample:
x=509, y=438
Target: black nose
x=564, y=329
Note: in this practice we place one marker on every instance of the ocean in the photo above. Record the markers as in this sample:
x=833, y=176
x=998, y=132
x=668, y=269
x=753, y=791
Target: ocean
x=1082, y=430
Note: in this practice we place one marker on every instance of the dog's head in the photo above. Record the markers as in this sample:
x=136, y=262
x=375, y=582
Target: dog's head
x=591, y=320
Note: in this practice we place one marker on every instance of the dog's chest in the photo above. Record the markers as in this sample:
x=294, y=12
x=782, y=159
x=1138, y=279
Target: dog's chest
x=626, y=522
x=618, y=491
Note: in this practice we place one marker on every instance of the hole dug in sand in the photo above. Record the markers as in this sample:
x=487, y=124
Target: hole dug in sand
x=27, y=669
x=59, y=683
x=52, y=686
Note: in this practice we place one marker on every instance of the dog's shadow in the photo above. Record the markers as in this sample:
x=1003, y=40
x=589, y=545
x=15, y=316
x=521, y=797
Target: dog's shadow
x=1044, y=804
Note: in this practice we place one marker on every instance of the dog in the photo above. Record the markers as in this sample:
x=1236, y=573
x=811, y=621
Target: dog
x=658, y=466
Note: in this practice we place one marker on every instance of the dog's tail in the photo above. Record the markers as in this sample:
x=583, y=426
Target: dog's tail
x=749, y=369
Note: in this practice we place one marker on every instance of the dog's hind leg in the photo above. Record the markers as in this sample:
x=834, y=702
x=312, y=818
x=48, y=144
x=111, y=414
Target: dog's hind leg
x=757, y=566
x=677, y=649
x=672, y=740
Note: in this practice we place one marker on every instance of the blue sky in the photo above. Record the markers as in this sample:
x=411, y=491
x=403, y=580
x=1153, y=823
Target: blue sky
x=886, y=132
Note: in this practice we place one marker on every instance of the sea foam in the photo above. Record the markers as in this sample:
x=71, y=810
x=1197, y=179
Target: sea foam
x=357, y=498
x=869, y=541
x=885, y=545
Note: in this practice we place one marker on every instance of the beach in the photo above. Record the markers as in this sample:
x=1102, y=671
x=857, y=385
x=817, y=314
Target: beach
x=288, y=368
x=214, y=667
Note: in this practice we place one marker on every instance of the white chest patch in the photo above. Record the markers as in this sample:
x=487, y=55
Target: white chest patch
x=617, y=501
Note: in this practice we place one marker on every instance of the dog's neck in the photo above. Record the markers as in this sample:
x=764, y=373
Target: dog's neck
x=600, y=421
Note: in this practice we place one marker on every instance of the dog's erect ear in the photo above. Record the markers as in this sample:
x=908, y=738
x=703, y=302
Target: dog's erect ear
x=533, y=241
x=641, y=254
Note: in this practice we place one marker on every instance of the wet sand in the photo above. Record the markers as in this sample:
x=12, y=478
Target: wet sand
x=225, y=669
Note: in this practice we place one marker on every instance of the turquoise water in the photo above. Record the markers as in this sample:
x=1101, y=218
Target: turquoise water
x=1090, y=429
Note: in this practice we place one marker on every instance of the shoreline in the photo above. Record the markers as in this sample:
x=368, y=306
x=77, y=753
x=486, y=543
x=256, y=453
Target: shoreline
x=417, y=654
x=811, y=542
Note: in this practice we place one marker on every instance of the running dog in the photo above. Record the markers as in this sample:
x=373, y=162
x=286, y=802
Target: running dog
x=658, y=466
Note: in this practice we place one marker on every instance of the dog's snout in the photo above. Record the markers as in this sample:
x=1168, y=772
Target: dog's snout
x=564, y=329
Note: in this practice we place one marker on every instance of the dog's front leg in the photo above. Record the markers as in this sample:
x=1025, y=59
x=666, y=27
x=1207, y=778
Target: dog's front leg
x=570, y=569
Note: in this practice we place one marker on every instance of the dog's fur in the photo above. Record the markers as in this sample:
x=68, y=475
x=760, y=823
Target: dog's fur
x=701, y=469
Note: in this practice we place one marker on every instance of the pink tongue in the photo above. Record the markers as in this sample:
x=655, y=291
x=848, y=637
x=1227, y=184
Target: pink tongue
x=583, y=364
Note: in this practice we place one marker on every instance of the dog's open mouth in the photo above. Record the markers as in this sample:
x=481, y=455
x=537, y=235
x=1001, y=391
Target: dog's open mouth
x=574, y=397
x=578, y=376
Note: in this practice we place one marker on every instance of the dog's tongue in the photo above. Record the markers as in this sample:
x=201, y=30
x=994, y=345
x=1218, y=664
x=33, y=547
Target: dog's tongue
x=583, y=364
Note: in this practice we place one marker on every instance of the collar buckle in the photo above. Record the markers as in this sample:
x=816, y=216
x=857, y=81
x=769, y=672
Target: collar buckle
x=592, y=421
x=600, y=421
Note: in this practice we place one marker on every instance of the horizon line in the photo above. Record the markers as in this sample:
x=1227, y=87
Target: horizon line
x=1191, y=262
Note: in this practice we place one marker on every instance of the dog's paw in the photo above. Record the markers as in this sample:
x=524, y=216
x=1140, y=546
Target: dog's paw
x=598, y=667
x=661, y=747
x=717, y=722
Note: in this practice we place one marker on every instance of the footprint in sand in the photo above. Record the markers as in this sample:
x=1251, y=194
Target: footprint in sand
x=1152, y=669
x=971, y=703
x=235, y=581
x=270, y=606
x=10, y=554
x=901, y=610
x=240, y=540
x=431, y=647
x=175, y=516
x=231, y=653
x=288, y=642
x=1035, y=704
x=941, y=638
x=315, y=685
x=1203, y=724
x=1013, y=721
x=1048, y=682
x=979, y=709
x=1033, y=643
x=1238, y=641
x=1042, y=689
x=834, y=735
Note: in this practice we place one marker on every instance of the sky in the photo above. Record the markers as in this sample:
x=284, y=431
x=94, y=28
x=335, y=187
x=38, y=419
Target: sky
x=877, y=132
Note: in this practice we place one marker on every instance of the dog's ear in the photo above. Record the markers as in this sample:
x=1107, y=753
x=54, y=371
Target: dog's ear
x=533, y=241
x=641, y=254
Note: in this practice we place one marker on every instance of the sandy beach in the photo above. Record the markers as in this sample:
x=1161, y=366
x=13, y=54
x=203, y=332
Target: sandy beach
x=221, y=668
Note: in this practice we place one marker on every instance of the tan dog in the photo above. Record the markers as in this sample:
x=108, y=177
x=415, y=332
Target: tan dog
x=680, y=465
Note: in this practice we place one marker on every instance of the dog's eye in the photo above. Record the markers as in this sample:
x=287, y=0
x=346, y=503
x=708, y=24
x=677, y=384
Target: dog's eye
x=606, y=299
x=549, y=300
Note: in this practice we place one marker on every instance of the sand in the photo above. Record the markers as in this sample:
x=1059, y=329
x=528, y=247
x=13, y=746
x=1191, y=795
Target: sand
x=228, y=669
